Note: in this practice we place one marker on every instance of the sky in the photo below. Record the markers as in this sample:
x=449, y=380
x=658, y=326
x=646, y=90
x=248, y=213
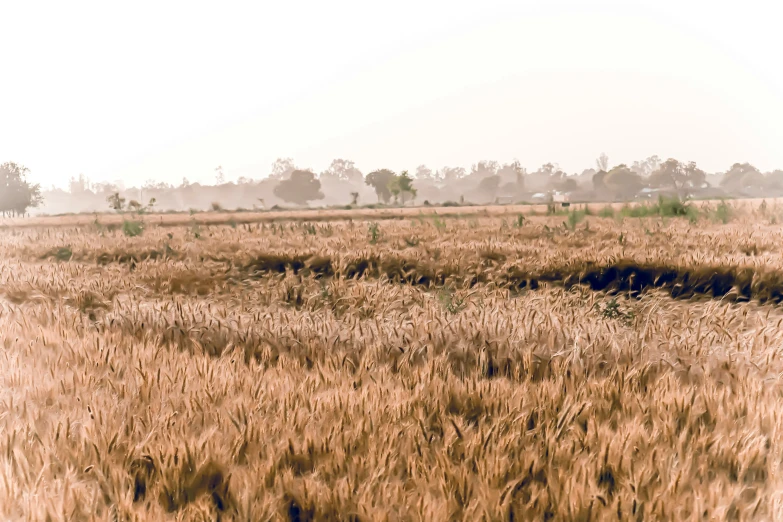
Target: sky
x=162, y=91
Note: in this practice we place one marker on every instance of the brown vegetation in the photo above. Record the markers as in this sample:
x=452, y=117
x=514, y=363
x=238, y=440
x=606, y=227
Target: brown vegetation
x=417, y=369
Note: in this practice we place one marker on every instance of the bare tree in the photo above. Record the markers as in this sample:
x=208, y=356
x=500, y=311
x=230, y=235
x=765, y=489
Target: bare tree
x=282, y=168
x=602, y=162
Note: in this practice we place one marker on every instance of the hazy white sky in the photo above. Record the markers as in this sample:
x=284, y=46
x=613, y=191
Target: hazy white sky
x=166, y=90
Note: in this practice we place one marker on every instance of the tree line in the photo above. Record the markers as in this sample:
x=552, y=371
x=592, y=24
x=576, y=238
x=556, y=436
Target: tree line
x=343, y=183
x=488, y=179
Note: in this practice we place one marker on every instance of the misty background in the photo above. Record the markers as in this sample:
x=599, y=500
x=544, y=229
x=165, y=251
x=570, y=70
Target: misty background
x=138, y=98
x=485, y=182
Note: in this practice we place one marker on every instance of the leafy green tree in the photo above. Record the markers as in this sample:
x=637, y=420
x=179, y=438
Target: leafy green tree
x=380, y=180
x=16, y=193
x=405, y=183
x=394, y=188
x=300, y=188
x=400, y=185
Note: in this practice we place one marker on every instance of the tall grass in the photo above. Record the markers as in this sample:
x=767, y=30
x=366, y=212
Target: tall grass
x=467, y=373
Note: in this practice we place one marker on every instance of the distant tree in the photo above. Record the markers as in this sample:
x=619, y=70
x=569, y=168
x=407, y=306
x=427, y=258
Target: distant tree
x=696, y=178
x=282, y=168
x=568, y=184
x=552, y=175
x=599, y=181
x=105, y=188
x=678, y=176
x=301, y=187
x=741, y=176
x=380, y=180
x=16, y=193
x=623, y=182
x=151, y=184
x=78, y=185
x=602, y=162
x=487, y=188
x=647, y=166
x=354, y=198
x=423, y=172
x=220, y=178
x=550, y=169
x=450, y=174
x=512, y=175
x=400, y=185
x=343, y=170
x=394, y=188
x=774, y=179
x=116, y=202
x=484, y=169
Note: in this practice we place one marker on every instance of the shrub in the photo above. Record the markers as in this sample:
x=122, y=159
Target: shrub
x=664, y=207
x=63, y=254
x=674, y=207
x=606, y=212
x=612, y=310
x=450, y=302
x=374, y=232
x=132, y=228
x=723, y=212
x=216, y=207
x=574, y=217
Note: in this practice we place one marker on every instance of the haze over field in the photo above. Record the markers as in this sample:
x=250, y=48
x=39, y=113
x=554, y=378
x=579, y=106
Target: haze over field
x=170, y=91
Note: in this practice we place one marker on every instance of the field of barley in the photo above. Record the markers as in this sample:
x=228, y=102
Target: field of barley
x=494, y=366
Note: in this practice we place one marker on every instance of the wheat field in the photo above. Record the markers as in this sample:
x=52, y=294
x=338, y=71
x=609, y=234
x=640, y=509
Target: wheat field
x=489, y=367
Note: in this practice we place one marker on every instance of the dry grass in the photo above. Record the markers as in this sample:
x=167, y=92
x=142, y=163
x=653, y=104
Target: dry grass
x=312, y=371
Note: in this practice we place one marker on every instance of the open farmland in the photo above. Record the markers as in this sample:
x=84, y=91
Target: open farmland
x=175, y=219
x=488, y=367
